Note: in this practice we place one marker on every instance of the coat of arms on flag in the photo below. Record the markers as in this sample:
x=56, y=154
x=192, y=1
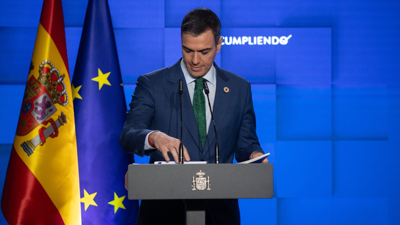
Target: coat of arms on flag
x=41, y=95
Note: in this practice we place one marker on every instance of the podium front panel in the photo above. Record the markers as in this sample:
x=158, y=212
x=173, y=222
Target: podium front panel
x=200, y=181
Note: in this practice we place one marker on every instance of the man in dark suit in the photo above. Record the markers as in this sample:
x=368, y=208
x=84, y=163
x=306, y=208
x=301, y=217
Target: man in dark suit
x=153, y=127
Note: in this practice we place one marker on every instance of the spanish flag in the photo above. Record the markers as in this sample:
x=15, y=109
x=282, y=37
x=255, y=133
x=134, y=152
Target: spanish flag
x=42, y=181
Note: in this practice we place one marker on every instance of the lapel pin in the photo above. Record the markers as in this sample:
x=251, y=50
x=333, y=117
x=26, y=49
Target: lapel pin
x=226, y=89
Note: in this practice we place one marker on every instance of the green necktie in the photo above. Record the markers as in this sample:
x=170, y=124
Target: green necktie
x=199, y=107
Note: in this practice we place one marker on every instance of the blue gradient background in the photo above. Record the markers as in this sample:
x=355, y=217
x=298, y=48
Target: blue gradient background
x=327, y=103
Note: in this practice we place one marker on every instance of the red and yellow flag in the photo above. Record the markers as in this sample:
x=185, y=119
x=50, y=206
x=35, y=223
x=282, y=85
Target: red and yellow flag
x=42, y=182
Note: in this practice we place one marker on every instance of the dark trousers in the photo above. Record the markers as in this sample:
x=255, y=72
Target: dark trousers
x=218, y=212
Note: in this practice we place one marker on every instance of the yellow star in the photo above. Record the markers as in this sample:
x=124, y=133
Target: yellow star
x=102, y=79
x=117, y=203
x=88, y=199
x=75, y=92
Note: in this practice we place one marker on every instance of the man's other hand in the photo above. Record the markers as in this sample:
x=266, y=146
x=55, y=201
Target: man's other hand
x=165, y=144
x=257, y=154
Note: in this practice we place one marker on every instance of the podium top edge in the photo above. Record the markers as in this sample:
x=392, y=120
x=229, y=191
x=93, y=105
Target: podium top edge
x=205, y=165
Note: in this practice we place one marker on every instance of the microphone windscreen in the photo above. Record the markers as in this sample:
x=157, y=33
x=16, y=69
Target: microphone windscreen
x=180, y=88
x=206, y=90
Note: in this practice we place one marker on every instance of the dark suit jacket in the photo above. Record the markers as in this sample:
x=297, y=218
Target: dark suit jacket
x=155, y=106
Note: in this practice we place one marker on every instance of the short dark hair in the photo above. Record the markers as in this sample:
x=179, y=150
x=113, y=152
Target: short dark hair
x=199, y=20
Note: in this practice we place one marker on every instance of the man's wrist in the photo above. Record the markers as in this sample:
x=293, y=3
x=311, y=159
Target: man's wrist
x=149, y=140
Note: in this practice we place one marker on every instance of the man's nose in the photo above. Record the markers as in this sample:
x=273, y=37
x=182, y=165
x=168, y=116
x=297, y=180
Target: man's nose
x=195, y=58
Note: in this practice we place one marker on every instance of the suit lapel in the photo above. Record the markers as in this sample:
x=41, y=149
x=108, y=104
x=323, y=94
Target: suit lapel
x=221, y=103
x=189, y=120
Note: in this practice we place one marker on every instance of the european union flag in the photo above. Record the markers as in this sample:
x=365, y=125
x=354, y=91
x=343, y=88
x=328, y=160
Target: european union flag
x=100, y=115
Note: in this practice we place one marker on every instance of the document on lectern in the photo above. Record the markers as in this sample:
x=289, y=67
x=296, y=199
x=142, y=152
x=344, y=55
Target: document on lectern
x=258, y=159
x=173, y=162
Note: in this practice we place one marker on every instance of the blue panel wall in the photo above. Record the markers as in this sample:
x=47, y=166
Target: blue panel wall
x=175, y=10
x=299, y=174
x=304, y=112
x=16, y=53
x=143, y=55
x=327, y=102
x=364, y=108
x=312, y=211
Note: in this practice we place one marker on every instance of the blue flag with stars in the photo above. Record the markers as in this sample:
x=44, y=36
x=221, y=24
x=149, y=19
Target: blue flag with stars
x=99, y=117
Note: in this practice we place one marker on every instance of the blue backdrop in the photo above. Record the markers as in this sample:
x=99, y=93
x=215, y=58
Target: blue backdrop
x=326, y=89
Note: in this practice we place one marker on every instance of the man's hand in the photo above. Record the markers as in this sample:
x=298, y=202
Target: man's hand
x=257, y=154
x=165, y=144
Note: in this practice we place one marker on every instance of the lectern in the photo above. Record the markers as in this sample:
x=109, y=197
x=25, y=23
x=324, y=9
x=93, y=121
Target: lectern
x=195, y=183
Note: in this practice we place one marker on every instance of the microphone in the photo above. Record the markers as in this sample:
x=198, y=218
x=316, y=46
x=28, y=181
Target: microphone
x=180, y=91
x=180, y=88
x=207, y=91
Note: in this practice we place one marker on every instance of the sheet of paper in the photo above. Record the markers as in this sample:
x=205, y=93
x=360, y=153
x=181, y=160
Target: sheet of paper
x=173, y=162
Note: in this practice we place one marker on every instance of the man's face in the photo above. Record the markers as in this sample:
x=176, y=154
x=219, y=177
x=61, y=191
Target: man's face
x=199, y=52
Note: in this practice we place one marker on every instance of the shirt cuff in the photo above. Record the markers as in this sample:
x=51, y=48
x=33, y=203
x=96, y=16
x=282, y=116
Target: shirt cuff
x=147, y=146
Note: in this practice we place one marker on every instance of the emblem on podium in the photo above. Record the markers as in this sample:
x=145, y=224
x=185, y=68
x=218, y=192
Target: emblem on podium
x=201, y=182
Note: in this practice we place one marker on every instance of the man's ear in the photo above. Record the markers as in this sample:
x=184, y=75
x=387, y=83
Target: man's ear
x=219, y=44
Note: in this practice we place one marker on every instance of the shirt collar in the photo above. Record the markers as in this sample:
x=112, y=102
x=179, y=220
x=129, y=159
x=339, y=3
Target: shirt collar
x=210, y=75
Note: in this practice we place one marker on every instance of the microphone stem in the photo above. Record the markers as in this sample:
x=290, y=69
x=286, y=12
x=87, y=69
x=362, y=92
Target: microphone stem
x=181, y=145
x=215, y=131
x=180, y=97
